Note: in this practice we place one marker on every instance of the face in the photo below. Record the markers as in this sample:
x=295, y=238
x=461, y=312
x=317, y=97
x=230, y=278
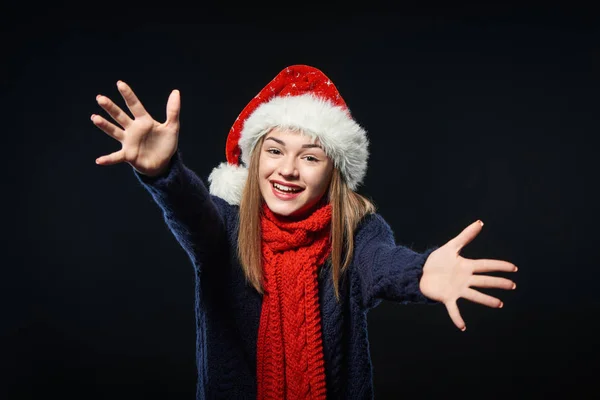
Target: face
x=293, y=172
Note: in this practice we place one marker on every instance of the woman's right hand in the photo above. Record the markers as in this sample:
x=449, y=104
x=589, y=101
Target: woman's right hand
x=146, y=144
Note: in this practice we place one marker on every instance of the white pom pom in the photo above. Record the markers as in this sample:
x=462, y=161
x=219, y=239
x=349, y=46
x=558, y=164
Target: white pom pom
x=227, y=181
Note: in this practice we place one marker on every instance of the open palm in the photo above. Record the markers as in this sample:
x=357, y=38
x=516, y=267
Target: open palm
x=146, y=144
x=447, y=276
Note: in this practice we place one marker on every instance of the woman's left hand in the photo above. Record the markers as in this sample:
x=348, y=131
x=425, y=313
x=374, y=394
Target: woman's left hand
x=447, y=276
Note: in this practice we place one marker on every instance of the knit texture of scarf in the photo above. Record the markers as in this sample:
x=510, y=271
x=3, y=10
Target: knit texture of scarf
x=290, y=361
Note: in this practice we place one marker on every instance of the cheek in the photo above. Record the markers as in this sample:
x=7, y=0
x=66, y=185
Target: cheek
x=265, y=167
x=320, y=181
x=265, y=170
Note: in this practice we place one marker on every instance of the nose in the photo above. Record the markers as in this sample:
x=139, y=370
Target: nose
x=288, y=167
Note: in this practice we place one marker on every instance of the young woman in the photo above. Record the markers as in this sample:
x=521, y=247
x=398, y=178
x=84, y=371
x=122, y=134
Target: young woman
x=288, y=257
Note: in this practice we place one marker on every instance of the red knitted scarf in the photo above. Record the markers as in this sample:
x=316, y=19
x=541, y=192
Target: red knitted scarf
x=290, y=348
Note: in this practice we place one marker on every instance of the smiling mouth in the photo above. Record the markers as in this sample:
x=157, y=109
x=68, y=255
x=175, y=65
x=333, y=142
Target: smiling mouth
x=286, y=189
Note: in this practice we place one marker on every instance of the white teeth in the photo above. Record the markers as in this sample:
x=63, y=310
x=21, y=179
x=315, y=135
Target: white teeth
x=285, y=188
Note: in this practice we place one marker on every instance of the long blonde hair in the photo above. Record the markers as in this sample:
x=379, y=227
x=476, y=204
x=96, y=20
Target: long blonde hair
x=347, y=210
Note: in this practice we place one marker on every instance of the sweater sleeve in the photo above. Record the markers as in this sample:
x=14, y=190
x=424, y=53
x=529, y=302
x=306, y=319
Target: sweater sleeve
x=387, y=271
x=188, y=209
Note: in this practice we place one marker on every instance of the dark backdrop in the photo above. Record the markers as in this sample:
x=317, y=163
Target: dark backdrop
x=473, y=112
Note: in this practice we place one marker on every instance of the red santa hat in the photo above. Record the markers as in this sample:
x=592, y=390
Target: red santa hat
x=299, y=97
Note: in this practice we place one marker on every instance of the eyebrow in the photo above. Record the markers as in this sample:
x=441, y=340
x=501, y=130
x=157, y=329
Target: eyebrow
x=304, y=146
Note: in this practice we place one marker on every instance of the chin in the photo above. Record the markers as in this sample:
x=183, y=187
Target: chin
x=288, y=210
x=283, y=209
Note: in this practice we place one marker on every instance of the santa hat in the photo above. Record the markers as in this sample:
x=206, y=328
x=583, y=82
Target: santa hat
x=300, y=97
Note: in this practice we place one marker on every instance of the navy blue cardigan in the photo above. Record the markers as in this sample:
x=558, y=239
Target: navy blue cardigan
x=228, y=309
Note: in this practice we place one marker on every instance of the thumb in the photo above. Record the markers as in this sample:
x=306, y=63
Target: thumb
x=173, y=107
x=467, y=235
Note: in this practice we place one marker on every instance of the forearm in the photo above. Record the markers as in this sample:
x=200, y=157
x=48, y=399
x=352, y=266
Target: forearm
x=388, y=271
x=187, y=207
x=396, y=275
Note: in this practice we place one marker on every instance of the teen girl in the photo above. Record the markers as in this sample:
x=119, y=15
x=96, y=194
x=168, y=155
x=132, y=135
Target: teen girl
x=289, y=258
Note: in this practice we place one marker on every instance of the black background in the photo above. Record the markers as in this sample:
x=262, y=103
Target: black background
x=473, y=112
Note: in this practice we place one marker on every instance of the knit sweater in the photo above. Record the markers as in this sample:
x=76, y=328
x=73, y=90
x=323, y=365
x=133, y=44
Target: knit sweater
x=228, y=309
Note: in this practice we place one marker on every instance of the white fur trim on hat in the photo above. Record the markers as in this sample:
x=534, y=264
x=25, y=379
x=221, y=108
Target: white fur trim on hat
x=343, y=140
x=227, y=181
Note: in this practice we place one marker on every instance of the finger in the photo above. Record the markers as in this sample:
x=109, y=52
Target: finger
x=478, y=297
x=454, y=314
x=491, y=282
x=134, y=104
x=109, y=128
x=467, y=235
x=173, y=107
x=114, y=111
x=113, y=158
x=487, y=265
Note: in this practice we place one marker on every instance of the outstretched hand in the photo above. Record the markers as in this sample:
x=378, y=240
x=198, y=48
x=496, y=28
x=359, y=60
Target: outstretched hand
x=447, y=276
x=147, y=145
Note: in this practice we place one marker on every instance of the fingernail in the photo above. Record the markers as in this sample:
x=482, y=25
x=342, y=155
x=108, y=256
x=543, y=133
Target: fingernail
x=514, y=286
x=97, y=97
x=481, y=222
x=516, y=269
x=464, y=328
x=92, y=117
x=501, y=305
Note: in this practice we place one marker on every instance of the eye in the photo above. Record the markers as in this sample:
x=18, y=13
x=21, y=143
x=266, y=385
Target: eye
x=273, y=151
x=311, y=158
